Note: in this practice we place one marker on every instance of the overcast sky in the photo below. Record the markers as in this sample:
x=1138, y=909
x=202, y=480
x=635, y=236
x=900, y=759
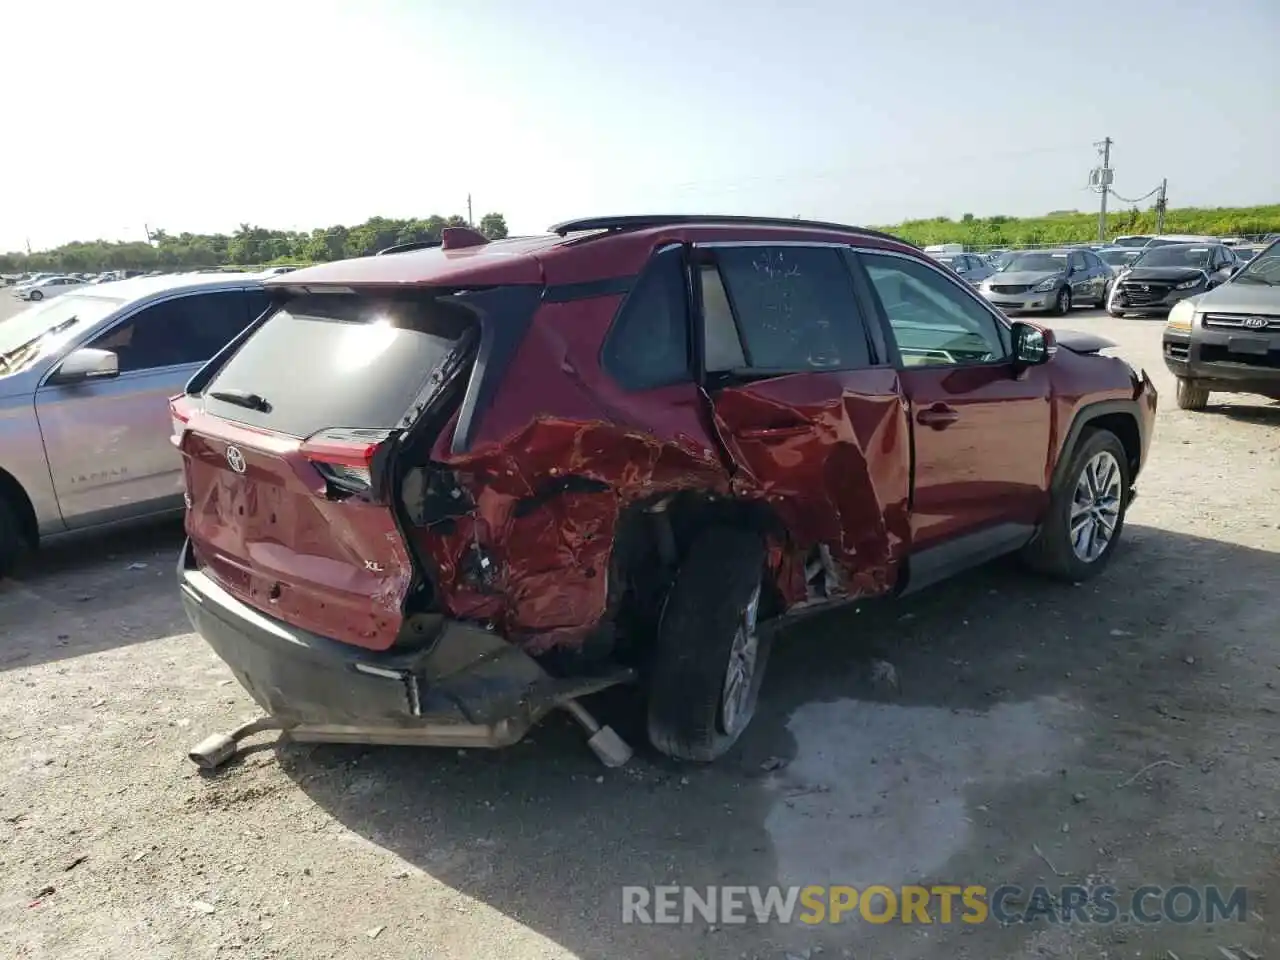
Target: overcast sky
x=305, y=113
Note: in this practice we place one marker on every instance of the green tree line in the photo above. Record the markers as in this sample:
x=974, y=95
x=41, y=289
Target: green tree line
x=1072, y=226
x=255, y=246
x=247, y=246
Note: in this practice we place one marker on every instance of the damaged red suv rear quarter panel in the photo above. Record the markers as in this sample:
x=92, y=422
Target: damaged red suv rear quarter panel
x=562, y=449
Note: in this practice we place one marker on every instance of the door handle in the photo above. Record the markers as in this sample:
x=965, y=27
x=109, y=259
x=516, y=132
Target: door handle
x=939, y=416
x=775, y=433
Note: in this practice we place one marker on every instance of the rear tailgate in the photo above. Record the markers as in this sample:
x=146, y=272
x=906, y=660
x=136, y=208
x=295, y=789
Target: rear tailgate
x=284, y=452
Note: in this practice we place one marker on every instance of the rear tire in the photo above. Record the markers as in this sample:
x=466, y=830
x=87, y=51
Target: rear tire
x=1190, y=395
x=13, y=543
x=709, y=657
x=1063, y=548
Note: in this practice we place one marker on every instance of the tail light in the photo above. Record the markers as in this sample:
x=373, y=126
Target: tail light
x=180, y=409
x=345, y=457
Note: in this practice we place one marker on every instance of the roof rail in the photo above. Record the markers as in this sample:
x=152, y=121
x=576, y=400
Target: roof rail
x=641, y=221
x=406, y=247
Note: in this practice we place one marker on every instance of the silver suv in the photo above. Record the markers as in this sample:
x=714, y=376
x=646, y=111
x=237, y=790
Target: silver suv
x=84, y=387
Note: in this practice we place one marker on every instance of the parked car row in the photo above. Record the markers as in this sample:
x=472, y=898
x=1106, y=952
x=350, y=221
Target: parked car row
x=1138, y=274
x=40, y=286
x=386, y=464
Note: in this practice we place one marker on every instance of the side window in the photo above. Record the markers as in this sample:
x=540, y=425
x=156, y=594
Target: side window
x=648, y=344
x=1077, y=261
x=785, y=309
x=180, y=331
x=934, y=322
x=1092, y=261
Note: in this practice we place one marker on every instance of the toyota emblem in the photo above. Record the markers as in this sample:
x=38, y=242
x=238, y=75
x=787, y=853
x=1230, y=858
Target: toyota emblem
x=235, y=459
x=1254, y=323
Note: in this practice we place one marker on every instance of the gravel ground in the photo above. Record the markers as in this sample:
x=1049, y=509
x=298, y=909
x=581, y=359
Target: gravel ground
x=1122, y=730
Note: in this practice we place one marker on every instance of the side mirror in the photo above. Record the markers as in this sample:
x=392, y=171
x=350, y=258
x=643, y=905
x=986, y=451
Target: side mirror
x=1032, y=345
x=86, y=364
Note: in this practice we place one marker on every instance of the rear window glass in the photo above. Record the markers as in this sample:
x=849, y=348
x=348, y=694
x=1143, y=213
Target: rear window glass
x=340, y=361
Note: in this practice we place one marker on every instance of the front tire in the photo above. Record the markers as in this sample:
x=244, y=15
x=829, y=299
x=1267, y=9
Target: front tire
x=709, y=657
x=1190, y=395
x=1062, y=303
x=1086, y=511
x=36, y=295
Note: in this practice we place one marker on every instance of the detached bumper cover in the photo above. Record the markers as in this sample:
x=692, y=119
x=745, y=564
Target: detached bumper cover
x=467, y=687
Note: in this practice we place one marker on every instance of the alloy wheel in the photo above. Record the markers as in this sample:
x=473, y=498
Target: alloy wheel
x=1095, y=507
x=739, y=677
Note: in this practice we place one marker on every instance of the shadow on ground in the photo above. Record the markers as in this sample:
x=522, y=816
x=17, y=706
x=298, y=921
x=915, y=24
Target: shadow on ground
x=93, y=594
x=543, y=834
x=1267, y=415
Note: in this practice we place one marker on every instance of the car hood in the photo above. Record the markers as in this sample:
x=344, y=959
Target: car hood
x=1164, y=273
x=1024, y=276
x=1079, y=342
x=1241, y=297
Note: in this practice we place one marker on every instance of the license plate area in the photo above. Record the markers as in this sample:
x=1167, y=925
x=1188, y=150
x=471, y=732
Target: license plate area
x=1254, y=346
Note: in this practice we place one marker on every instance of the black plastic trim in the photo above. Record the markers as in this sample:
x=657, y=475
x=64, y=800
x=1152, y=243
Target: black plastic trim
x=505, y=316
x=589, y=289
x=411, y=245
x=935, y=564
x=1086, y=415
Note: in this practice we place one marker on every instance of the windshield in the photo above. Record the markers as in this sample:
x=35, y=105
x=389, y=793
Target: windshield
x=1181, y=255
x=1264, y=268
x=35, y=322
x=1035, y=263
x=1245, y=254
x=1117, y=258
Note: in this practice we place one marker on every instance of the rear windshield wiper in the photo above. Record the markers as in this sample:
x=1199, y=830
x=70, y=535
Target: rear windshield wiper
x=242, y=398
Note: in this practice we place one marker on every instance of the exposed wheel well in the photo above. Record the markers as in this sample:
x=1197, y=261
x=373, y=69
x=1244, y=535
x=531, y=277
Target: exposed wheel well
x=1125, y=427
x=11, y=492
x=651, y=539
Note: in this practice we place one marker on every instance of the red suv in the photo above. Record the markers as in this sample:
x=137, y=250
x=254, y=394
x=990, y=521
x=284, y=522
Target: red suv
x=437, y=493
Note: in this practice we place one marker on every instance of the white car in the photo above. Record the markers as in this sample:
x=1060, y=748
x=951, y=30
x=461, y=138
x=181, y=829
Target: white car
x=31, y=281
x=50, y=287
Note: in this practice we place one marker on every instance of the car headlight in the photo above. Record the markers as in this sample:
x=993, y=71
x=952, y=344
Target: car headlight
x=1044, y=286
x=1182, y=316
x=1188, y=284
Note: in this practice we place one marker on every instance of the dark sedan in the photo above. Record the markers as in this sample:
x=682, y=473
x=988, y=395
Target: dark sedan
x=1164, y=276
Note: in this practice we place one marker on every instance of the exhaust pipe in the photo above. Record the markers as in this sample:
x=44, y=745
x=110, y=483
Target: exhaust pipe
x=216, y=749
x=610, y=748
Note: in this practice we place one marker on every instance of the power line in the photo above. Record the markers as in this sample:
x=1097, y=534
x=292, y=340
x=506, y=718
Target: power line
x=1151, y=193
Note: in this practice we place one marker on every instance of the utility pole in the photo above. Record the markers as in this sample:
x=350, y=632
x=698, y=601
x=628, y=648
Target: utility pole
x=1162, y=204
x=470, y=221
x=28, y=246
x=1104, y=182
x=147, y=230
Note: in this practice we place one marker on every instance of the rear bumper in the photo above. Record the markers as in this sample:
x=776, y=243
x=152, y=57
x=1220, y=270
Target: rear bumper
x=466, y=687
